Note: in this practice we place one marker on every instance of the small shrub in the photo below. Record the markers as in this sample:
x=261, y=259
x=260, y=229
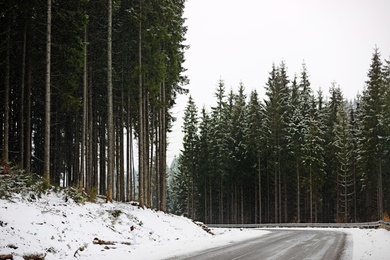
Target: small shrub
x=92, y=194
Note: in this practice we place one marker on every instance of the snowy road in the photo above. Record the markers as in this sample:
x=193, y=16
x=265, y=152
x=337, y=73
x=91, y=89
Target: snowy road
x=282, y=244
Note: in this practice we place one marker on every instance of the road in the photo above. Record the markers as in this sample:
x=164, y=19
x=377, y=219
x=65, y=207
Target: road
x=282, y=244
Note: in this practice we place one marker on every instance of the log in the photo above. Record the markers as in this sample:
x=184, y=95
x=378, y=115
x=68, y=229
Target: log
x=34, y=257
x=102, y=242
x=6, y=257
x=97, y=241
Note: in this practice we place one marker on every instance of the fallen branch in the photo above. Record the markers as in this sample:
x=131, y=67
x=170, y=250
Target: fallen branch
x=97, y=241
x=34, y=257
x=6, y=257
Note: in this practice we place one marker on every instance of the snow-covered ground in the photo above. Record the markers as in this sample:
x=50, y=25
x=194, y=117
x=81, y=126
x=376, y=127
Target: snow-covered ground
x=62, y=229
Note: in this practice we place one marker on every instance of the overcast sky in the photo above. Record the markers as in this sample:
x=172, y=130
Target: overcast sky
x=237, y=41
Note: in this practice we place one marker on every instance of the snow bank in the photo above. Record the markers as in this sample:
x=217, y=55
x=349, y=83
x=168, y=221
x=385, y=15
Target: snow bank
x=370, y=243
x=67, y=230
x=58, y=229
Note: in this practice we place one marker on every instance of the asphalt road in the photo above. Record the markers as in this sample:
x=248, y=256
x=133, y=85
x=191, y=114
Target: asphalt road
x=282, y=244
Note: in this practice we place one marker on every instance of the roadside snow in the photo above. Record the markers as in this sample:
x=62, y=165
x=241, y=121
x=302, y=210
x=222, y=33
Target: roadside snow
x=66, y=230
x=370, y=243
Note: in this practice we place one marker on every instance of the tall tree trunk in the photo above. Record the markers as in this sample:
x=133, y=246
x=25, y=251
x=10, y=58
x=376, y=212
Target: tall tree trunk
x=22, y=100
x=259, y=191
x=311, y=194
x=130, y=159
x=145, y=157
x=141, y=148
x=380, y=190
x=157, y=155
x=152, y=160
x=110, y=113
x=46, y=157
x=92, y=140
x=206, y=219
x=276, y=194
x=83, y=149
x=211, y=202
x=117, y=166
x=298, y=192
x=122, y=148
x=7, y=90
x=220, y=200
x=102, y=152
x=28, y=123
x=242, y=202
x=163, y=148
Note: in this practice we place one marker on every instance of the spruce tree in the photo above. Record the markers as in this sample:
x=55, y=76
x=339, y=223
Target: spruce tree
x=372, y=138
x=219, y=150
x=205, y=182
x=276, y=105
x=255, y=146
x=188, y=157
x=343, y=146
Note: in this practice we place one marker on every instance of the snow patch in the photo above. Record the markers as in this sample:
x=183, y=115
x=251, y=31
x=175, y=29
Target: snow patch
x=63, y=229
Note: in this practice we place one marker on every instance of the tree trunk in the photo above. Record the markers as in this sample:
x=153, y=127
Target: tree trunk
x=83, y=149
x=163, y=156
x=259, y=191
x=380, y=190
x=276, y=194
x=92, y=143
x=145, y=158
x=130, y=158
x=141, y=195
x=28, y=123
x=22, y=100
x=7, y=90
x=103, y=166
x=311, y=195
x=46, y=157
x=151, y=155
x=220, y=200
x=211, y=202
x=298, y=192
x=110, y=113
x=122, y=148
x=242, y=202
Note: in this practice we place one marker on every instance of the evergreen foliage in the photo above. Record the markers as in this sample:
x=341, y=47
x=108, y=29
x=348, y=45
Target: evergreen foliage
x=144, y=48
x=293, y=157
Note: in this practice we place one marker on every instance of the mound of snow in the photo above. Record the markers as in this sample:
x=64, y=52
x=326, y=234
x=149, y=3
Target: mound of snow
x=57, y=229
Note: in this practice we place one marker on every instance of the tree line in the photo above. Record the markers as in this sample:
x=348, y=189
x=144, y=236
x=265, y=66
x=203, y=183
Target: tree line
x=80, y=81
x=293, y=156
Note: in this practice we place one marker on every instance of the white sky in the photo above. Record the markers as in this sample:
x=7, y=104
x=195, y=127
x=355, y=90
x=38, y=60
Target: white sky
x=237, y=41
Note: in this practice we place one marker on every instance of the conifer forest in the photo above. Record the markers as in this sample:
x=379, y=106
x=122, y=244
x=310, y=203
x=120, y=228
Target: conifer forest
x=293, y=155
x=81, y=79
x=86, y=93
